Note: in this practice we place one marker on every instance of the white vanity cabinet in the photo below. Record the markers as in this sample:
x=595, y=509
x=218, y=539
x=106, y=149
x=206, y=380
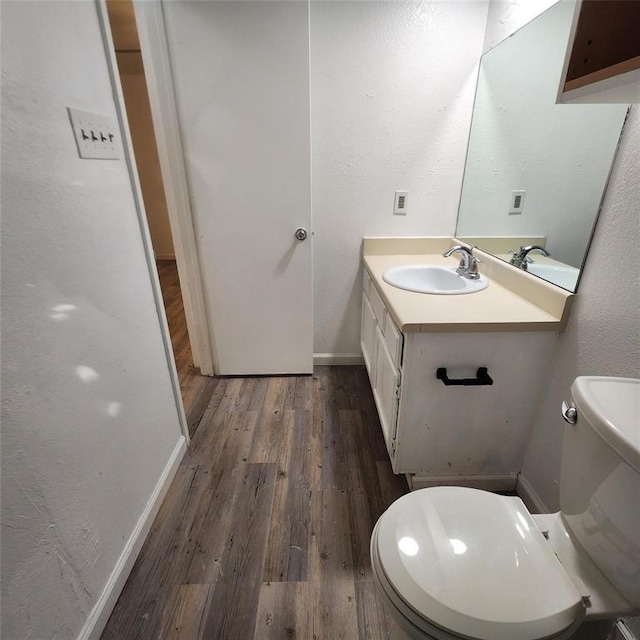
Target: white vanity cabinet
x=438, y=434
x=381, y=343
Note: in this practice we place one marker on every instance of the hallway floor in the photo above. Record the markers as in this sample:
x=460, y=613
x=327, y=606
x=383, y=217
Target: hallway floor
x=191, y=380
x=265, y=530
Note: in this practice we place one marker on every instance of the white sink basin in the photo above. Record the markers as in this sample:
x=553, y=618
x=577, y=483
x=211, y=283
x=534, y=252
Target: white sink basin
x=564, y=276
x=427, y=278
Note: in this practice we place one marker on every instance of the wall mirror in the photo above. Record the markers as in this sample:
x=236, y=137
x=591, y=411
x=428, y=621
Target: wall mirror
x=536, y=171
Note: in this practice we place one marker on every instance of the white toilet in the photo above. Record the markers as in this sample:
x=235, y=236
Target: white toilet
x=453, y=562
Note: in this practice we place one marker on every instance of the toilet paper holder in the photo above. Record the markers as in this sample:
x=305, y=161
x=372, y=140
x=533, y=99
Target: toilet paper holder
x=482, y=378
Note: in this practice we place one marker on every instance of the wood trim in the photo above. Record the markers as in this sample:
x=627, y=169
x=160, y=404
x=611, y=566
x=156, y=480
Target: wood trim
x=157, y=65
x=603, y=74
x=567, y=56
x=346, y=359
x=97, y=620
x=136, y=190
x=605, y=36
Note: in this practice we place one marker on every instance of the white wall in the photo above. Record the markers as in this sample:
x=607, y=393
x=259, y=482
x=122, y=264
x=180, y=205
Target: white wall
x=560, y=155
x=88, y=414
x=603, y=334
x=392, y=87
x=507, y=16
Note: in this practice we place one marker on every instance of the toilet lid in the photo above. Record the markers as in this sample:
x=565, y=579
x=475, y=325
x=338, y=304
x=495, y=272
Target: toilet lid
x=475, y=564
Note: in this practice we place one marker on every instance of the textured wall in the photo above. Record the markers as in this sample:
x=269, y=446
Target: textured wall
x=392, y=87
x=507, y=16
x=88, y=415
x=603, y=334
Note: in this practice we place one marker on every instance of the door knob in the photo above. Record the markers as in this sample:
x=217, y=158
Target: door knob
x=301, y=233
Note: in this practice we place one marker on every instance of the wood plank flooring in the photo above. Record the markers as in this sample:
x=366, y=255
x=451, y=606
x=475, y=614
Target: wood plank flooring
x=265, y=531
x=191, y=380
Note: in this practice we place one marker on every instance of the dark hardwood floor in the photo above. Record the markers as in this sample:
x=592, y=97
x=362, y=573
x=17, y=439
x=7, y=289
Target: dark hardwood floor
x=265, y=530
x=191, y=380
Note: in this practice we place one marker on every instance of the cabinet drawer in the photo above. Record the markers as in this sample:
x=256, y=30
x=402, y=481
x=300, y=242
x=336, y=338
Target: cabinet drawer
x=393, y=339
x=378, y=307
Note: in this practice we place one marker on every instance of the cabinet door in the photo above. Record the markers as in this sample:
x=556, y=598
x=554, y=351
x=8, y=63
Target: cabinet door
x=368, y=337
x=386, y=389
x=445, y=431
x=393, y=339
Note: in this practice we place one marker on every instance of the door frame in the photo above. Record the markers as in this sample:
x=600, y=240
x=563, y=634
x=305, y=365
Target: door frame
x=154, y=48
x=129, y=158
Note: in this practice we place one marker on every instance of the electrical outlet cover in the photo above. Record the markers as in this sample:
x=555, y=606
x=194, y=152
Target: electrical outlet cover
x=401, y=203
x=517, y=202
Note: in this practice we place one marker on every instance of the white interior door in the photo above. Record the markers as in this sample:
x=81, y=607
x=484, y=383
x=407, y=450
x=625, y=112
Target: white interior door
x=241, y=77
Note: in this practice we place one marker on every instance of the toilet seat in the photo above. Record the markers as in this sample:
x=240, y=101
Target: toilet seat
x=409, y=620
x=459, y=562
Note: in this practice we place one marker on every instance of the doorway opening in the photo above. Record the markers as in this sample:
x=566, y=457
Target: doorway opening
x=138, y=109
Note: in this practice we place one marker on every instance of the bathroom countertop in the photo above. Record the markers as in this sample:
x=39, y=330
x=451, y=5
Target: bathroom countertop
x=496, y=308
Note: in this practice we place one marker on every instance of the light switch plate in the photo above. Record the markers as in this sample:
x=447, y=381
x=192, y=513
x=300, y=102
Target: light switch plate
x=95, y=134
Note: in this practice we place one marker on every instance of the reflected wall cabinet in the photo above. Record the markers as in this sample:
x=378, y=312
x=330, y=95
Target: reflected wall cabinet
x=603, y=55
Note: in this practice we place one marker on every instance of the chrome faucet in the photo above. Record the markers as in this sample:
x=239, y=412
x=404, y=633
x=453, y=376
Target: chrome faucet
x=521, y=258
x=468, y=267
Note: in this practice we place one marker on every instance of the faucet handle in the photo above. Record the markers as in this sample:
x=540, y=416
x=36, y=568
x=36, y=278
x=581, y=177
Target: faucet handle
x=472, y=269
x=474, y=259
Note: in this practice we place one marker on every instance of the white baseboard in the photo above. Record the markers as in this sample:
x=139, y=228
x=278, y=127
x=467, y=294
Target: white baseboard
x=622, y=632
x=529, y=496
x=97, y=620
x=488, y=483
x=320, y=359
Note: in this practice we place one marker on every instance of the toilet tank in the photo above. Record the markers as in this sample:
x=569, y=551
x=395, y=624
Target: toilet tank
x=600, y=478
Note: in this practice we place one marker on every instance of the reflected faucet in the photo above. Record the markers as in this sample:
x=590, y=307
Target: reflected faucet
x=520, y=258
x=468, y=267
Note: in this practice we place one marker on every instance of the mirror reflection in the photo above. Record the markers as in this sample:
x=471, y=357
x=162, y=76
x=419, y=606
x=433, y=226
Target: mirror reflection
x=536, y=171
